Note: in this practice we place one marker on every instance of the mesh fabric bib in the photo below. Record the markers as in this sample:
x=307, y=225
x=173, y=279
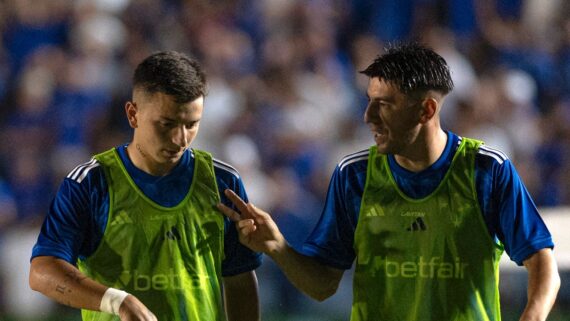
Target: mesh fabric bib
x=168, y=257
x=425, y=259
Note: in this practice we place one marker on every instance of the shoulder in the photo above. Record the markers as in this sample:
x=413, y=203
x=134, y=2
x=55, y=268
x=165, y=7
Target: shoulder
x=351, y=170
x=354, y=161
x=488, y=158
x=491, y=156
x=225, y=171
x=494, y=169
x=222, y=170
x=83, y=185
x=86, y=173
x=493, y=163
x=486, y=155
x=227, y=176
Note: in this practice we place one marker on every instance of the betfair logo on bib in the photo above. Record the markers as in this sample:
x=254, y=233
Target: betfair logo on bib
x=432, y=268
x=162, y=281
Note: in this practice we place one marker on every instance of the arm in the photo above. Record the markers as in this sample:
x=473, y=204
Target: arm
x=522, y=231
x=543, y=285
x=241, y=297
x=259, y=232
x=307, y=274
x=63, y=282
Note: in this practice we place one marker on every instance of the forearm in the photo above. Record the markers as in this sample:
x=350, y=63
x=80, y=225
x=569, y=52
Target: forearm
x=543, y=285
x=259, y=232
x=308, y=275
x=241, y=297
x=64, y=283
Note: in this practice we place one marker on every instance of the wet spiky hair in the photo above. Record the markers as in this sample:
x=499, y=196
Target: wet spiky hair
x=412, y=68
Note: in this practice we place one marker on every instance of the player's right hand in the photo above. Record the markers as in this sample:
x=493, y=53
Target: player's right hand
x=132, y=309
x=256, y=228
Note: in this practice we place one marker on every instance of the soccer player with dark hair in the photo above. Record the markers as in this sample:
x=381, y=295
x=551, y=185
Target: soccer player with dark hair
x=135, y=231
x=424, y=214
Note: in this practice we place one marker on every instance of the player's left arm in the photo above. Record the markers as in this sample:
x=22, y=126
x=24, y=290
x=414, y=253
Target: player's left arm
x=241, y=298
x=543, y=285
x=526, y=238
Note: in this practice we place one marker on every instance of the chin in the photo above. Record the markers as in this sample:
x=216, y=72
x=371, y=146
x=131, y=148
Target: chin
x=164, y=160
x=386, y=149
x=383, y=149
x=173, y=160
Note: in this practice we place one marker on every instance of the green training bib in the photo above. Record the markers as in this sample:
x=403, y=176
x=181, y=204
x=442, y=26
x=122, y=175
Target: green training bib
x=425, y=259
x=168, y=257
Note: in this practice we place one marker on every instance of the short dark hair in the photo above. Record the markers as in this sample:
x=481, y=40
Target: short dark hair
x=172, y=73
x=413, y=68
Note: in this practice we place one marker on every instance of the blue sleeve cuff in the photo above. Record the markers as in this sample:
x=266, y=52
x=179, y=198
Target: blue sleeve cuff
x=50, y=251
x=317, y=254
x=522, y=254
x=249, y=266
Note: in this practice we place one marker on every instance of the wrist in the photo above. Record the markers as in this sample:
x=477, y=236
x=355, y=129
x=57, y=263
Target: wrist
x=112, y=300
x=280, y=249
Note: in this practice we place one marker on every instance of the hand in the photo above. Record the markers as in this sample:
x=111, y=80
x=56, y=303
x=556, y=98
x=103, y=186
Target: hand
x=134, y=310
x=256, y=228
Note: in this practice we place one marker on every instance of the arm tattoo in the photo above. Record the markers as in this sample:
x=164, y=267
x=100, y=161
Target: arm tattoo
x=60, y=289
x=71, y=276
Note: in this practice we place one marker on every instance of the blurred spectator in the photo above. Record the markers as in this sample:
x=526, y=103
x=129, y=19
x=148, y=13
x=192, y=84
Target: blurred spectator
x=285, y=96
x=462, y=72
x=242, y=152
x=32, y=25
x=7, y=207
x=7, y=218
x=28, y=138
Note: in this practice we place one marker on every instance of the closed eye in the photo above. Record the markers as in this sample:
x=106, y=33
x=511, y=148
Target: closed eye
x=166, y=124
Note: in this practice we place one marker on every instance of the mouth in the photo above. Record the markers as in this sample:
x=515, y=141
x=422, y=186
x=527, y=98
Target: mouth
x=377, y=131
x=380, y=135
x=173, y=153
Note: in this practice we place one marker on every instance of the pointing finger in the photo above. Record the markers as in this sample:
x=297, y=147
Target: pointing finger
x=231, y=214
x=238, y=202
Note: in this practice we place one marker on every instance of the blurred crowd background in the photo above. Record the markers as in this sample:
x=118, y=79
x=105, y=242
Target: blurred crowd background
x=285, y=102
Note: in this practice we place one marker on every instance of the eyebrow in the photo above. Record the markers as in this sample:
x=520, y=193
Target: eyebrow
x=387, y=99
x=175, y=120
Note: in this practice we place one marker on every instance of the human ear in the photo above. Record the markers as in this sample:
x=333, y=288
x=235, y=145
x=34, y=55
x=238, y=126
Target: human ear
x=429, y=108
x=131, y=111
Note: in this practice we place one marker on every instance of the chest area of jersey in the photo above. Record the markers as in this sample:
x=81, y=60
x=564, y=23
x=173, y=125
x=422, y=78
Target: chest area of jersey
x=444, y=227
x=194, y=222
x=444, y=212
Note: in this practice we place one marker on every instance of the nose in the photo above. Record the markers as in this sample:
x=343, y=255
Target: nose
x=180, y=136
x=370, y=114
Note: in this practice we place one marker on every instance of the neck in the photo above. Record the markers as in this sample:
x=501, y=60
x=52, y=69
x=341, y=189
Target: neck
x=142, y=160
x=423, y=152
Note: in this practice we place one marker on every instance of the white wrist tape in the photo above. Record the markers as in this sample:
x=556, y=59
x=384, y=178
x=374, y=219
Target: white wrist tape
x=112, y=300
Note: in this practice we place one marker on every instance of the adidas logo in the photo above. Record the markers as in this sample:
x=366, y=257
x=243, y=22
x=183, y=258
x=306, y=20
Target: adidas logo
x=373, y=212
x=417, y=225
x=122, y=218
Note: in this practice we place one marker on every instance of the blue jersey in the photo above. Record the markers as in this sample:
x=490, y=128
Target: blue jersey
x=78, y=215
x=508, y=210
